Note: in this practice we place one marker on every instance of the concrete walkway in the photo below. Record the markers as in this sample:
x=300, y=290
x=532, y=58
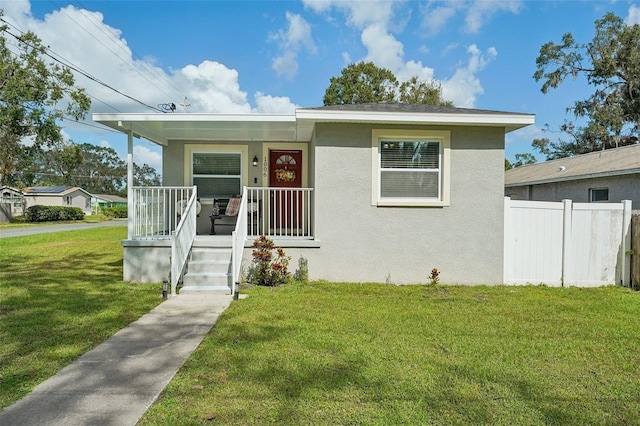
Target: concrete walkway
x=115, y=383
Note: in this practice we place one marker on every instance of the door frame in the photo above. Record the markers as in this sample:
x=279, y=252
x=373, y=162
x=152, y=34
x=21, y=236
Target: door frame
x=304, y=147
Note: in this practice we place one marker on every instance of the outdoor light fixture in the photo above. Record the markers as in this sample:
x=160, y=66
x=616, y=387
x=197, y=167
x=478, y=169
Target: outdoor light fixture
x=255, y=161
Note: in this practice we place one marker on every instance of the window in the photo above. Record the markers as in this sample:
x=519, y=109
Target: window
x=217, y=174
x=598, y=195
x=68, y=199
x=410, y=168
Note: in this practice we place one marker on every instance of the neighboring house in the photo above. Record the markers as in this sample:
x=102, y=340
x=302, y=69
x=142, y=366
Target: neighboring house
x=611, y=175
x=70, y=196
x=366, y=193
x=101, y=201
x=13, y=199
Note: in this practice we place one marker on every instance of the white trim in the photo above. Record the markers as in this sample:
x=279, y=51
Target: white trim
x=442, y=136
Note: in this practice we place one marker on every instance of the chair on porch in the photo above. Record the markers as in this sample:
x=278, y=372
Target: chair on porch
x=229, y=208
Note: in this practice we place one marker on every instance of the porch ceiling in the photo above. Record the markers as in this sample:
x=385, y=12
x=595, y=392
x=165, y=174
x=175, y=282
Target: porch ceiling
x=162, y=128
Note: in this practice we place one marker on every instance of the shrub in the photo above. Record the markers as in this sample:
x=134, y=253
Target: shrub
x=53, y=213
x=118, y=212
x=268, y=269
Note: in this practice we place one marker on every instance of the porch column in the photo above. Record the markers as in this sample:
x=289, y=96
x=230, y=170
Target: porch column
x=130, y=201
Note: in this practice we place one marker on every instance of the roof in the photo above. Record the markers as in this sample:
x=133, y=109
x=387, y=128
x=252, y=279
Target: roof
x=298, y=127
x=610, y=162
x=52, y=190
x=110, y=198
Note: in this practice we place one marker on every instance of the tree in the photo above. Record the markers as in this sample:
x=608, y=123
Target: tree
x=521, y=160
x=145, y=175
x=34, y=97
x=361, y=83
x=611, y=64
x=364, y=83
x=417, y=91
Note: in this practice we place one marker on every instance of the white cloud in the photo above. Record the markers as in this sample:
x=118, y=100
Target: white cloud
x=144, y=155
x=273, y=104
x=634, y=15
x=464, y=86
x=291, y=42
x=438, y=14
x=81, y=37
x=383, y=48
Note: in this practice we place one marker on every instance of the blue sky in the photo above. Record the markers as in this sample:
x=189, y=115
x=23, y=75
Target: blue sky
x=274, y=56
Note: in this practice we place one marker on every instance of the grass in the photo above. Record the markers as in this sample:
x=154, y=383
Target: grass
x=61, y=294
x=377, y=354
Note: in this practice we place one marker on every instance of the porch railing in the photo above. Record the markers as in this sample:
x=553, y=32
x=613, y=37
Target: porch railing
x=238, y=237
x=182, y=239
x=157, y=210
x=279, y=212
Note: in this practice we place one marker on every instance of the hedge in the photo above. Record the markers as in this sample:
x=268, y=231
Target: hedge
x=118, y=212
x=53, y=213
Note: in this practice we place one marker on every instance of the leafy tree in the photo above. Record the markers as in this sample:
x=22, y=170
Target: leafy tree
x=145, y=175
x=521, y=160
x=417, y=91
x=611, y=64
x=364, y=83
x=361, y=83
x=34, y=97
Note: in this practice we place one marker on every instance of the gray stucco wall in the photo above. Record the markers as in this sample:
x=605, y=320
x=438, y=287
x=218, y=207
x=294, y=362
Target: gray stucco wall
x=625, y=187
x=361, y=242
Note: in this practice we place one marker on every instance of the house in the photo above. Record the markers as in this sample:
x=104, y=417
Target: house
x=610, y=175
x=11, y=202
x=102, y=201
x=366, y=193
x=70, y=196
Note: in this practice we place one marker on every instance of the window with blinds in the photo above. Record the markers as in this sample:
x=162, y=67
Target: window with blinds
x=217, y=174
x=410, y=169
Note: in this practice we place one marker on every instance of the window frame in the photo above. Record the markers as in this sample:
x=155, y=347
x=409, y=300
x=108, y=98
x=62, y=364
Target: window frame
x=443, y=137
x=592, y=192
x=191, y=149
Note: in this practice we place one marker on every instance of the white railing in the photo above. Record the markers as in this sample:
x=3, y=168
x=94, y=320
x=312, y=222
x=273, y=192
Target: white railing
x=157, y=210
x=238, y=237
x=279, y=212
x=182, y=239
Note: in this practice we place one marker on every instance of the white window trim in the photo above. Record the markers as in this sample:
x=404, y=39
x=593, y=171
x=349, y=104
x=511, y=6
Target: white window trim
x=442, y=136
x=591, y=192
x=190, y=149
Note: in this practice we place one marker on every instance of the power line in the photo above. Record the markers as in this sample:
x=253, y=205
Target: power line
x=50, y=53
x=102, y=29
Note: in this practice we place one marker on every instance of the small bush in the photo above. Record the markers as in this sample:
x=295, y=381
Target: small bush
x=117, y=212
x=268, y=269
x=302, y=273
x=53, y=213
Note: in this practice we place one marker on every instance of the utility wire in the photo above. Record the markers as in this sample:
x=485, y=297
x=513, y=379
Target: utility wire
x=50, y=53
x=102, y=29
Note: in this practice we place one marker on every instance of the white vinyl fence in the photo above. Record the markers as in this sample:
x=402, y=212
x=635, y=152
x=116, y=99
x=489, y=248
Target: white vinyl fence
x=566, y=243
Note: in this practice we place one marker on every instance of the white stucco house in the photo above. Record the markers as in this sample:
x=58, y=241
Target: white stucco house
x=611, y=175
x=366, y=193
x=65, y=196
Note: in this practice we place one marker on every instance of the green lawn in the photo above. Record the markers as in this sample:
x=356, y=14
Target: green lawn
x=60, y=295
x=336, y=354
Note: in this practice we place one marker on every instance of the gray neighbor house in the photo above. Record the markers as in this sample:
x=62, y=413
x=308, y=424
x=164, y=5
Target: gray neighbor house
x=365, y=193
x=610, y=175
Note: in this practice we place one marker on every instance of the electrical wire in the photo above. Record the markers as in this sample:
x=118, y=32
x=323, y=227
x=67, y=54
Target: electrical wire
x=99, y=25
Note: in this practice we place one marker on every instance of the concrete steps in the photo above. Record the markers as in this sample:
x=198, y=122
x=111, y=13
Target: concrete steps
x=209, y=269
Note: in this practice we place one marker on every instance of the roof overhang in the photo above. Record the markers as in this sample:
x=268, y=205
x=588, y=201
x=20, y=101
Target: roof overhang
x=509, y=121
x=162, y=128
x=298, y=127
x=574, y=177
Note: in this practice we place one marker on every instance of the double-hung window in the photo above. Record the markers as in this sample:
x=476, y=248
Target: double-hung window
x=410, y=168
x=217, y=174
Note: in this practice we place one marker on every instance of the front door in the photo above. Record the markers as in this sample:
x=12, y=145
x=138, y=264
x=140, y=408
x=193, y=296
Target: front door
x=285, y=172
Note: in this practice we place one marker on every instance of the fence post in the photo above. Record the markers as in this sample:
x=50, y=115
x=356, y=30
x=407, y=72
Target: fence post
x=567, y=215
x=506, y=247
x=635, y=246
x=625, y=249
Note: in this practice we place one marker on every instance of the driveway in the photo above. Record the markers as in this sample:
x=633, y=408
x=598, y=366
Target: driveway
x=31, y=230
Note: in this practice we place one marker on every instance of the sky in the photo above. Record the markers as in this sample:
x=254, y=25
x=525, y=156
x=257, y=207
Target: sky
x=275, y=56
